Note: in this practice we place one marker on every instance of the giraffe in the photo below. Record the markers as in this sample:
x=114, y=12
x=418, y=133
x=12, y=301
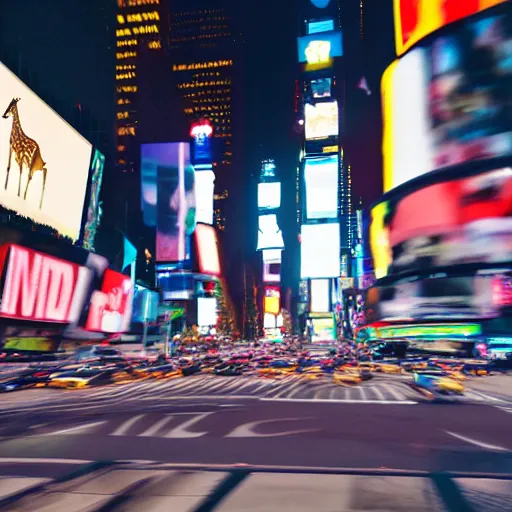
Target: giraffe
x=26, y=151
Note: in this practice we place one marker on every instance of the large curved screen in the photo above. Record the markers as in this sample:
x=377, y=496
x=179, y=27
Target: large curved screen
x=449, y=103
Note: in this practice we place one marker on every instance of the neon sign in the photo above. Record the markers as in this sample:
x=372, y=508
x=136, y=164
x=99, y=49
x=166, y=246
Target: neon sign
x=41, y=288
x=201, y=129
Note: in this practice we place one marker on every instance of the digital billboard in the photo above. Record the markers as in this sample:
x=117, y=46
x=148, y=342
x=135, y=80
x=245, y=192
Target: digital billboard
x=323, y=329
x=471, y=223
x=272, y=300
x=93, y=217
x=272, y=265
x=44, y=162
x=168, y=197
x=321, y=120
x=316, y=27
x=269, y=196
x=317, y=51
x=320, y=250
x=207, y=250
x=202, y=132
x=206, y=311
x=269, y=233
x=446, y=104
x=321, y=180
x=320, y=296
x=320, y=88
x=416, y=19
x=205, y=186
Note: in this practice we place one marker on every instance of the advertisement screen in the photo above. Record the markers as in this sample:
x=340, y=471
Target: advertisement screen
x=433, y=298
x=320, y=250
x=321, y=120
x=471, y=223
x=201, y=132
x=316, y=27
x=111, y=308
x=269, y=196
x=168, y=197
x=317, y=51
x=269, y=321
x=93, y=210
x=269, y=233
x=44, y=162
x=416, y=19
x=272, y=265
x=322, y=330
x=320, y=296
x=207, y=250
x=205, y=185
x=206, y=311
x=145, y=305
x=448, y=104
x=321, y=177
x=321, y=87
x=272, y=300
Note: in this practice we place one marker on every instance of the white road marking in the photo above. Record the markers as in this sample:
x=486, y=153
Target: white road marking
x=483, y=396
x=480, y=444
x=155, y=428
x=124, y=427
x=247, y=429
x=393, y=391
x=202, y=397
x=80, y=428
x=363, y=393
x=377, y=392
x=182, y=432
x=340, y=401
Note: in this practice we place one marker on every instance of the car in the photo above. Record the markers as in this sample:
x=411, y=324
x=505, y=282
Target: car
x=228, y=370
x=437, y=382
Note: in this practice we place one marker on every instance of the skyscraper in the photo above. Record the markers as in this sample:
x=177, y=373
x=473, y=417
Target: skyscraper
x=207, y=72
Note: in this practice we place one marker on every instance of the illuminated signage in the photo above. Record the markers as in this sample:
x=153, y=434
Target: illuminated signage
x=271, y=301
x=321, y=120
x=416, y=19
x=111, y=308
x=41, y=288
x=320, y=4
x=429, y=330
x=316, y=27
x=318, y=50
x=44, y=156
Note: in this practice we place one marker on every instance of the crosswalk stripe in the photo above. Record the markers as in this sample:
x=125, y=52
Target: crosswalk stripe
x=124, y=427
x=393, y=391
x=151, y=431
x=79, y=428
x=378, y=392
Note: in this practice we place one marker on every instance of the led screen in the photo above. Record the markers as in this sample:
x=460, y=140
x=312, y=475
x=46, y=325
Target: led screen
x=269, y=233
x=205, y=185
x=321, y=177
x=318, y=50
x=94, y=210
x=320, y=296
x=415, y=19
x=168, y=197
x=269, y=321
x=433, y=299
x=206, y=311
x=471, y=223
x=50, y=186
x=272, y=265
x=320, y=250
x=316, y=27
x=272, y=300
x=446, y=104
x=321, y=87
x=269, y=196
x=321, y=120
x=322, y=329
x=207, y=250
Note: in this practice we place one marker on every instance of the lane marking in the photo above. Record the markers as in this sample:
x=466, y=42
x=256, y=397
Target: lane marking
x=480, y=444
x=151, y=431
x=80, y=428
x=340, y=401
x=182, y=432
x=247, y=429
x=202, y=397
x=124, y=427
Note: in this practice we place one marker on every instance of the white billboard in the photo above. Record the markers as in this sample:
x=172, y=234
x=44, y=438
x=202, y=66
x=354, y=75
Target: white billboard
x=269, y=196
x=321, y=120
x=320, y=296
x=321, y=177
x=44, y=162
x=205, y=185
x=269, y=233
x=320, y=250
x=206, y=311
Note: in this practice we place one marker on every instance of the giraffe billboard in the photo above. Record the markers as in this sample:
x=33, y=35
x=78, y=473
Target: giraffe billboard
x=44, y=162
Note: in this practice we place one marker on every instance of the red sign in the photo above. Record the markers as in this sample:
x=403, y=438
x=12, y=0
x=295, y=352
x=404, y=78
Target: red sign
x=111, y=308
x=39, y=287
x=416, y=19
x=202, y=128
